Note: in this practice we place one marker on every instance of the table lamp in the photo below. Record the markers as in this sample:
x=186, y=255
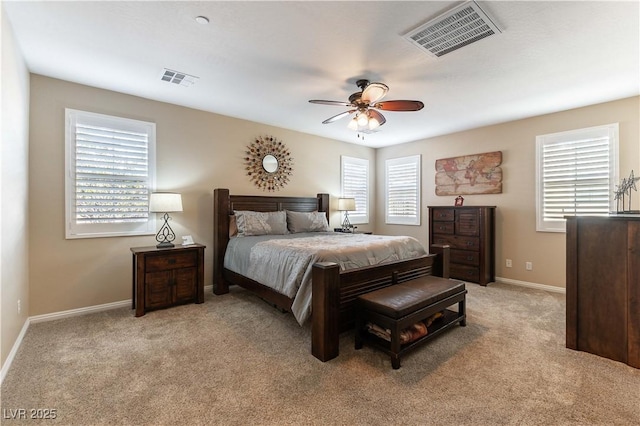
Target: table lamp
x=346, y=205
x=165, y=202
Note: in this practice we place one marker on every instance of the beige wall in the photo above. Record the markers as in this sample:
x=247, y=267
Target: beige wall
x=196, y=152
x=14, y=231
x=516, y=236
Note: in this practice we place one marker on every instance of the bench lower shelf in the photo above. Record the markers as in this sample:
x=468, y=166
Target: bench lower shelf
x=440, y=325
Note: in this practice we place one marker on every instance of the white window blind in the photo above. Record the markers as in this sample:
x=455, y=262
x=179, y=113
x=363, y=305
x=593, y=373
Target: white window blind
x=355, y=184
x=110, y=173
x=576, y=171
x=402, y=182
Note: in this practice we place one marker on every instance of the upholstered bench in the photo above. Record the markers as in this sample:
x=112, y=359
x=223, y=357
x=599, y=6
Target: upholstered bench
x=417, y=306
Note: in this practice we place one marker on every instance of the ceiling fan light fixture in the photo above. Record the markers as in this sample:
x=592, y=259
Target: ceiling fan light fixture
x=373, y=123
x=363, y=119
x=353, y=124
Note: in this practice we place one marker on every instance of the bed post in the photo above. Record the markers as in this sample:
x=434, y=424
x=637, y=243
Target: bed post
x=325, y=311
x=323, y=204
x=441, y=265
x=220, y=238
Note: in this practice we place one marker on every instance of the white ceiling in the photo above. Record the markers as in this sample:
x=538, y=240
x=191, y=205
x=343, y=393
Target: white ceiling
x=262, y=61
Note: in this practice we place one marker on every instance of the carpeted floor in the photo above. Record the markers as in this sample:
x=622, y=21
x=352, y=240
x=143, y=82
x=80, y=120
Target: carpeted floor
x=237, y=360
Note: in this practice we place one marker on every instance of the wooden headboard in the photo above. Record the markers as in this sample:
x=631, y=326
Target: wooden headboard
x=224, y=204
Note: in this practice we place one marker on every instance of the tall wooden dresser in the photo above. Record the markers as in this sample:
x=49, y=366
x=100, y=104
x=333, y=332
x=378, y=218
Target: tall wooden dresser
x=603, y=286
x=470, y=232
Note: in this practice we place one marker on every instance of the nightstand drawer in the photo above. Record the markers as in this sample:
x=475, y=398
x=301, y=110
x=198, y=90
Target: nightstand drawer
x=171, y=261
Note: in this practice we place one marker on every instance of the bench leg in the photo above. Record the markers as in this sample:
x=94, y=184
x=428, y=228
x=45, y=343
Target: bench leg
x=395, y=346
x=462, y=312
x=359, y=329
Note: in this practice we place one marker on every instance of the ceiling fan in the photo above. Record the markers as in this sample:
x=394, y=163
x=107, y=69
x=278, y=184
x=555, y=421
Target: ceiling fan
x=365, y=103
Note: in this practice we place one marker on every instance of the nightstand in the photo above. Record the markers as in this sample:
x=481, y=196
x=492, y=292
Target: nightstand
x=167, y=277
x=351, y=232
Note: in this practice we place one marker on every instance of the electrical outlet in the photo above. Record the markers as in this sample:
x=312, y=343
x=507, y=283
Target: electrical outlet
x=19, y=307
x=528, y=266
x=509, y=263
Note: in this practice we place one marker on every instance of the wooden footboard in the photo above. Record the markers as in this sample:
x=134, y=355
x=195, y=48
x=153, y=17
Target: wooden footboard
x=334, y=293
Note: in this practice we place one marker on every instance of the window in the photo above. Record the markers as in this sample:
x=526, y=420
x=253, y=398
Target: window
x=110, y=171
x=575, y=174
x=402, y=184
x=355, y=184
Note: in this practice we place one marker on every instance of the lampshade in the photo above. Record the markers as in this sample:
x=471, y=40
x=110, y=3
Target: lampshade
x=346, y=204
x=164, y=202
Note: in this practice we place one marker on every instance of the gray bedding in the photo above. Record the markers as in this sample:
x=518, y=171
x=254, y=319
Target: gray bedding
x=284, y=262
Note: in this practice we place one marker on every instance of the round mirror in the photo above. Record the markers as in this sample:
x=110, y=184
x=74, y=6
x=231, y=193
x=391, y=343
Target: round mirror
x=270, y=163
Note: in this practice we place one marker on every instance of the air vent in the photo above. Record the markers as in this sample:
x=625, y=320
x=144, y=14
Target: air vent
x=460, y=26
x=179, y=78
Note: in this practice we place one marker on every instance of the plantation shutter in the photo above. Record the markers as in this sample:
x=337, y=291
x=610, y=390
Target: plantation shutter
x=577, y=171
x=355, y=184
x=110, y=175
x=403, y=190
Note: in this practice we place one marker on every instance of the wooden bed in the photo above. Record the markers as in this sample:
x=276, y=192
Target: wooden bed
x=333, y=291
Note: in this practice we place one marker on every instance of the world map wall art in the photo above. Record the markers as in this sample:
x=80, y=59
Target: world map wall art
x=469, y=174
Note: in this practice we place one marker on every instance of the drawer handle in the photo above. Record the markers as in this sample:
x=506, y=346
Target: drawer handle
x=469, y=257
x=469, y=243
x=172, y=262
x=441, y=228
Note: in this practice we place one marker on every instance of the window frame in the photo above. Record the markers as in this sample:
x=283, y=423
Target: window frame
x=609, y=131
x=74, y=230
x=404, y=220
x=359, y=216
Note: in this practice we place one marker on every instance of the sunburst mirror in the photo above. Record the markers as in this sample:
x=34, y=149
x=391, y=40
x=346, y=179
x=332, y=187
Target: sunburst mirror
x=268, y=163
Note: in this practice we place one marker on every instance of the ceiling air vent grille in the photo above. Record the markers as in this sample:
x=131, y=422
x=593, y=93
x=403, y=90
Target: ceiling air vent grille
x=179, y=78
x=460, y=26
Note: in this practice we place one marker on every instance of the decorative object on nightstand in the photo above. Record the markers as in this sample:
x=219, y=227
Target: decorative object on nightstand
x=346, y=205
x=167, y=277
x=165, y=202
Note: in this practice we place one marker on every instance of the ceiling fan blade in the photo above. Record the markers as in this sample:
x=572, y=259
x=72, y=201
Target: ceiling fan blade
x=374, y=92
x=337, y=103
x=376, y=115
x=399, y=105
x=338, y=116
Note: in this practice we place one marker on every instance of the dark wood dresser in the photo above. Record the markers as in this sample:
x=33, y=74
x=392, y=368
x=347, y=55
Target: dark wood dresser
x=603, y=286
x=167, y=277
x=470, y=232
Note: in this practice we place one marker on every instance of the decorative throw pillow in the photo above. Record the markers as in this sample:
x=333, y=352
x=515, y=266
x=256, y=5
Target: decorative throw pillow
x=233, y=227
x=307, y=222
x=261, y=223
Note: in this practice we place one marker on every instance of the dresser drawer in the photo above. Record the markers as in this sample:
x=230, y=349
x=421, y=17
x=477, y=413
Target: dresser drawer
x=443, y=227
x=458, y=242
x=466, y=257
x=444, y=214
x=464, y=272
x=171, y=261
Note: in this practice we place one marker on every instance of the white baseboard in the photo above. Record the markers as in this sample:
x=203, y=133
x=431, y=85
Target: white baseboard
x=80, y=311
x=14, y=350
x=537, y=286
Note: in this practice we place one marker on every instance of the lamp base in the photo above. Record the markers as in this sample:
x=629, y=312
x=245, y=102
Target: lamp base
x=165, y=244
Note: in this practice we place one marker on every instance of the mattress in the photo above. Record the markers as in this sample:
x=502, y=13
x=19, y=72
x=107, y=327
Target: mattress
x=284, y=262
